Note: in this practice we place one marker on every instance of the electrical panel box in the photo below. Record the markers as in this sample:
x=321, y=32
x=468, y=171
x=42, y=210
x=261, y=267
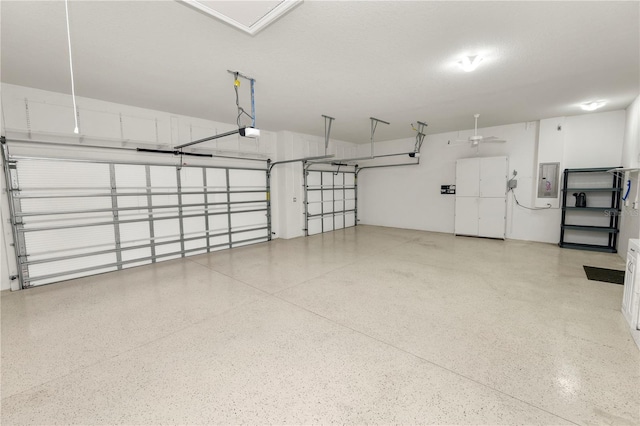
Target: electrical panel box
x=548, y=177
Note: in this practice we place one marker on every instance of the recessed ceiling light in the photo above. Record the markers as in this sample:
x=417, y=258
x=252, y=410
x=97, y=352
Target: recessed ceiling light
x=470, y=63
x=592, y=106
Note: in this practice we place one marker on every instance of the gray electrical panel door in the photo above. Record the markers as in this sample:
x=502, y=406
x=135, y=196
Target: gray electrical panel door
x=548, y=180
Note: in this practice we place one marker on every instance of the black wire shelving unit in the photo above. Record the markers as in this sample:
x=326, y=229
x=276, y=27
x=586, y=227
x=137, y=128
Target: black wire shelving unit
x=612, y=211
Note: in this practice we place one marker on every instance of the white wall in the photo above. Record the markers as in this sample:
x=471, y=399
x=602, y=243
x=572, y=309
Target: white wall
x=409, y=197
x=594, y=140
x=550, y=149
x=630, y=219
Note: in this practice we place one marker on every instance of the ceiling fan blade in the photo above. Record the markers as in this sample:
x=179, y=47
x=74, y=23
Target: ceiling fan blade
x=493, y=139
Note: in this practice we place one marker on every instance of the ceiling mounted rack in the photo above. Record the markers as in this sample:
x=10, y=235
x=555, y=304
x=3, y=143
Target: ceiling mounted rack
x=420, y=135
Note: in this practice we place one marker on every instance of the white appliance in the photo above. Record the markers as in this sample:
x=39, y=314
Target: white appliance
x=481, y=197
x=631, y=296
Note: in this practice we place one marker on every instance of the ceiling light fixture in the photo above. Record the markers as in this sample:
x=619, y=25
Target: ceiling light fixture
x=470, y=63
x=592, y=106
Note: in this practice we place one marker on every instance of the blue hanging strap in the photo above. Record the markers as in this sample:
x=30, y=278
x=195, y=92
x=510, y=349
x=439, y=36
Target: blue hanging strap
x=626, y=194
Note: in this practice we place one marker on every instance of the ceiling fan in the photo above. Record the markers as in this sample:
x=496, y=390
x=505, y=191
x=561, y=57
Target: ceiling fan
x=476, y=138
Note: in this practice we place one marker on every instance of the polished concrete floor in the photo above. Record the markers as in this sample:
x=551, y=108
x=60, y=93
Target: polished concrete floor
x=363, y=325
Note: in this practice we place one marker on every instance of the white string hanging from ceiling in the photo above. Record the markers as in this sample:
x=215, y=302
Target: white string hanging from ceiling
x=73, y=88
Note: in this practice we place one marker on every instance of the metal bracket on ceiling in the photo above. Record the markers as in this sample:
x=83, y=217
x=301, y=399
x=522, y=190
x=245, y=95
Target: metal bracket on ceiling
x=374, y=125
x=420, y=136
x=327, y=131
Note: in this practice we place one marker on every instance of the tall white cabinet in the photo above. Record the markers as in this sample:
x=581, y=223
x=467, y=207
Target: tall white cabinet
x=481, y=197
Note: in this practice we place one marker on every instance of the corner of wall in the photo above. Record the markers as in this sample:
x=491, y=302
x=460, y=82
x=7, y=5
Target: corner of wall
x=630, y=211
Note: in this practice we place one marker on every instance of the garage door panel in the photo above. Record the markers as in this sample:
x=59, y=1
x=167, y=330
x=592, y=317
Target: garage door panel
x=142, y=253
x=221, y=240
x=314, y=207
x=163, y=177
x=63, y=266
x=247, y=178
x=250, y=235
x=60, y=220
x=219, y=223
x=349, y=179
x=314, y=226
x=131, y=176
x=193, y=199
x=349, y=220
x=133, y=201
x=259, y=195
x=69, y=241
x=247, y=220
x=191, y=178
x=216, y=179
x=193, y=244
x=350, y=204
x=82, y=218
x=41, y=205
x=134, y=234
x=166, y=228
x=168, y=248
x=330, y=196
x=194, y=224
x=164, y=200
x=35, y=174
x=71, y=276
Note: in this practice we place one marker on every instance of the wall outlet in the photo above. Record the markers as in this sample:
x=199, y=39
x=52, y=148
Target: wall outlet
x=513, y=183
x=295, y=199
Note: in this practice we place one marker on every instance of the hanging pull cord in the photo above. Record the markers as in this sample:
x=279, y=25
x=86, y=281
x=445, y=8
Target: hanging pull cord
x=73, y=88
x=626, y=194
x=241, y=111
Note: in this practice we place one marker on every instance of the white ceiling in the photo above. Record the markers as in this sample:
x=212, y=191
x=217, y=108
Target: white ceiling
x=349, y=59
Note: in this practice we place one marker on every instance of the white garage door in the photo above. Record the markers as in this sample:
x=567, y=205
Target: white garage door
x=74, y=218
x=331, y=201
